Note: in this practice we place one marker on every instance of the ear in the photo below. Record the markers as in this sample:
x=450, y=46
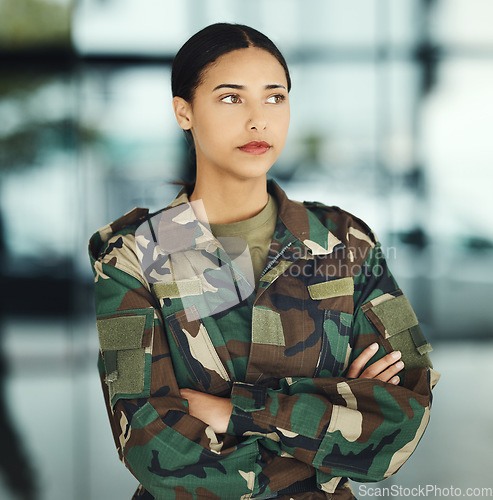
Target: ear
x=183, y=112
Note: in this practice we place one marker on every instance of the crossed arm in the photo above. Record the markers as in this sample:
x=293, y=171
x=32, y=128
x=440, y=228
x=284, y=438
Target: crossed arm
x=216, y=411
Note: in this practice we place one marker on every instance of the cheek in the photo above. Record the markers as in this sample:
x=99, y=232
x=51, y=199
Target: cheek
x=218, y=125
x=282, y=125
x=282, y=115
x=208, y=131
x=214, y=139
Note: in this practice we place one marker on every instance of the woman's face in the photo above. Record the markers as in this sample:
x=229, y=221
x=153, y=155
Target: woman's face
x=243, y=98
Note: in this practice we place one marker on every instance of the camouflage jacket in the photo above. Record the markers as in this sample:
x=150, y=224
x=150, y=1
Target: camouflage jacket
x=174, y=311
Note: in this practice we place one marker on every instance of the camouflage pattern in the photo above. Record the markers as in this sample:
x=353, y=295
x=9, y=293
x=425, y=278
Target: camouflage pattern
x=181, y=258
x=280, y=352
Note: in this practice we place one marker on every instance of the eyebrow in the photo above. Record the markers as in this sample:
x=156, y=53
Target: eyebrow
x=242, y=87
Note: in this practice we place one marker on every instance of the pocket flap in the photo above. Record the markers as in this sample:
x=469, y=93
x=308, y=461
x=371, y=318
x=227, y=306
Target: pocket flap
x=396, y=315
x=126, y=360
x=124, y=332
x=177, y=289
x=395, y=319
x=333, y=288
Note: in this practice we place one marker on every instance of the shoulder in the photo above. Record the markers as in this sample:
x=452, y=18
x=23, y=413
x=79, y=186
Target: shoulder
x=114, y=244
x=347, y=227
x=104, y=237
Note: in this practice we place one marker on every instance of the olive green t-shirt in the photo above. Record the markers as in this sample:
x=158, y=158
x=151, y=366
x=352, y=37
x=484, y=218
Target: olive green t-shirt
x=257, y=231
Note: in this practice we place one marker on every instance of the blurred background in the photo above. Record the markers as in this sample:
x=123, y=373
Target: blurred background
x=392, y=115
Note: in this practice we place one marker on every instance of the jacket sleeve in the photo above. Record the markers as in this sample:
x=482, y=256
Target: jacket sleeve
x=363, y=429
x=171, y=453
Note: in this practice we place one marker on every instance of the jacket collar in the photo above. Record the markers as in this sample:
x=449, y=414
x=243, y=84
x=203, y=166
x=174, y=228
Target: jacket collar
x=303, y=224
x=295, y=224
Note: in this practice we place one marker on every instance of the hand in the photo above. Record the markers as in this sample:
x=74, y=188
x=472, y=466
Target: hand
x=384, y=369
x=212, y=410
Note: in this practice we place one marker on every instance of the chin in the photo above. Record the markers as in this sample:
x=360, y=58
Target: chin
x=254, y=170
x=250, y=174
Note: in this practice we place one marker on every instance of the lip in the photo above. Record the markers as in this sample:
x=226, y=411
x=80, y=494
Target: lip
x=255, y=147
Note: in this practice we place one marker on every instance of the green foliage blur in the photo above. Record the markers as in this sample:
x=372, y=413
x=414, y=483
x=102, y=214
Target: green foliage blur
x=34, y=24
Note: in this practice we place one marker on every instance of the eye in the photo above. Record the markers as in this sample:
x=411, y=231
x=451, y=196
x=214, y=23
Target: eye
x=276, y=99
x=231, y=99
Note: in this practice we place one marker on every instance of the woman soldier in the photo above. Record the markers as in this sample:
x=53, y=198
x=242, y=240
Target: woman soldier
x=252, y=346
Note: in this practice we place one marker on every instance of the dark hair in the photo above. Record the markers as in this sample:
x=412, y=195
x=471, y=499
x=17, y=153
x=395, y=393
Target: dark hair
x=205, y=47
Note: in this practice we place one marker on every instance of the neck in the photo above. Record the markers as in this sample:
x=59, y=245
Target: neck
x=230, y=199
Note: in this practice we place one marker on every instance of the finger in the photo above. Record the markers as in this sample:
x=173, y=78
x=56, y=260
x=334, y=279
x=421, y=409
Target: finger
x=388, y=374
x=186, y=393
x=358, y=364
x=381, y=365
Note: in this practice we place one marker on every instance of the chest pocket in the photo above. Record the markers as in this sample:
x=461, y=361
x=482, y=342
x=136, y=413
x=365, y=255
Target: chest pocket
x=196, y=353
x=335, y=298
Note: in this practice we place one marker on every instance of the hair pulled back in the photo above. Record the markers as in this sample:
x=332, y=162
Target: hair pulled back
x=206, y=46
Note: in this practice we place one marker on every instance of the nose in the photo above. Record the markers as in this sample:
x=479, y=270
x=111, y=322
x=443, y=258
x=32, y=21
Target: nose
x=257, y=120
